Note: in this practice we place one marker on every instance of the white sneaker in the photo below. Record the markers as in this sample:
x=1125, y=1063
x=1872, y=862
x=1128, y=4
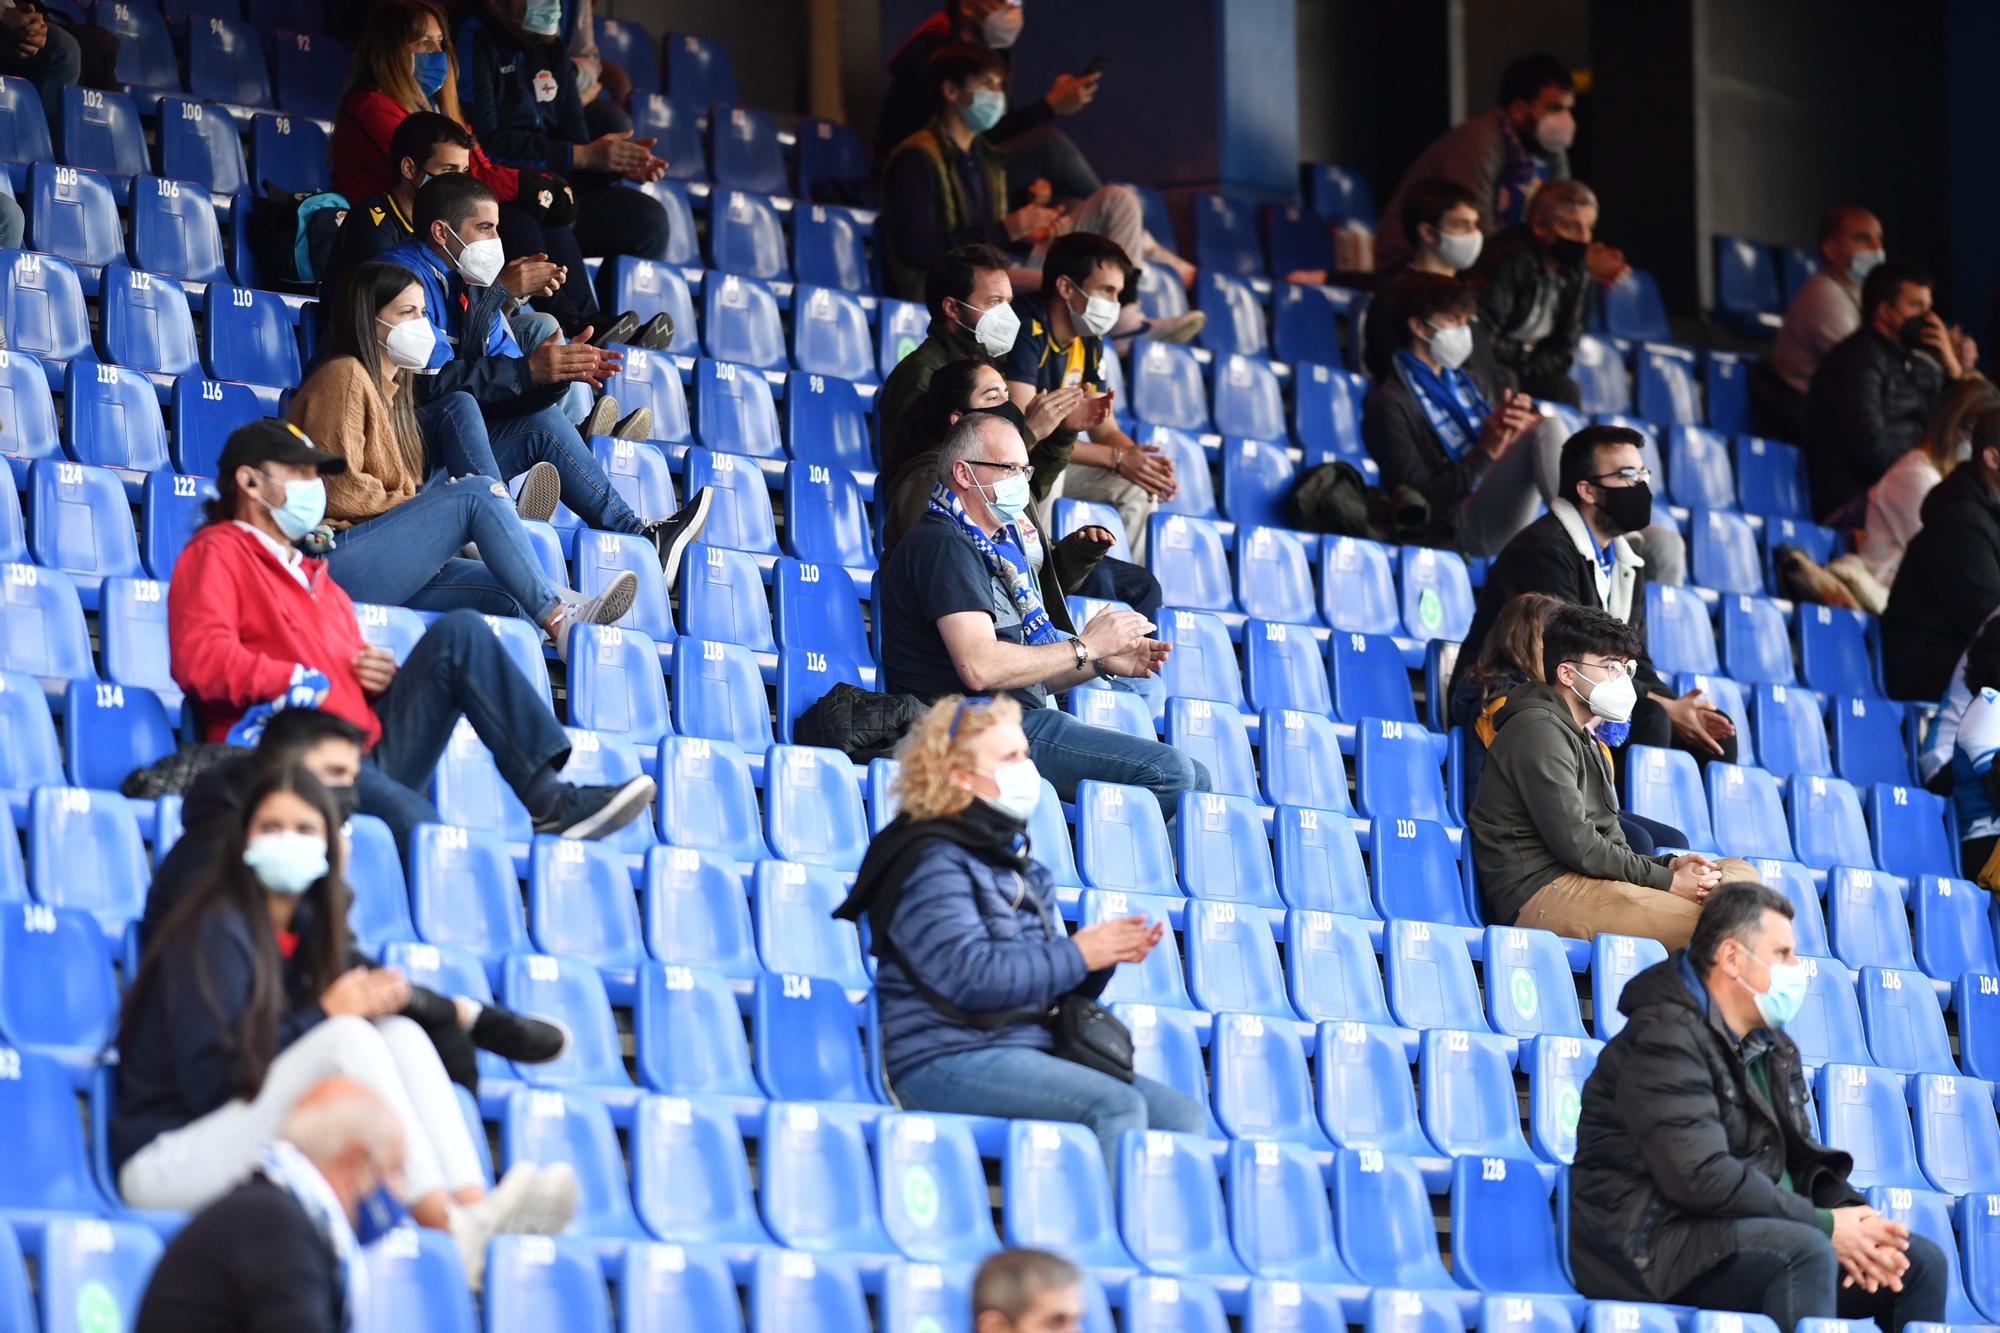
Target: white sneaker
x=548, y=1207
x=473, y=1226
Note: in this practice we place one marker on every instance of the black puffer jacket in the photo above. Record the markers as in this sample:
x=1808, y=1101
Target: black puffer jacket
x=1948, y=585
x=1869, y=404
x=1675, y=1143
x=1511, y=274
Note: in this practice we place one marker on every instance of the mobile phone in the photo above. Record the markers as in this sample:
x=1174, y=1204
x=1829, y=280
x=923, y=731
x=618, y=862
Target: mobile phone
x=1096, y=65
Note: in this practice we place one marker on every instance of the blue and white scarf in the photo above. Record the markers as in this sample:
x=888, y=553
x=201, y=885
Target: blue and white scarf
x=1036, y=627
x=1523, y=173
x=288, y=1168
x=1450, y=399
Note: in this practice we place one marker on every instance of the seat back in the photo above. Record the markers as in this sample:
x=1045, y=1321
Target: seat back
x=225, y=63
x=1791, y=732
x=1357, y=587
x=1056, y=1195
x=1867, y=925
x=58, y=996
x=719, y=693
x=1756, y=648
x=827, y=421
x=933, y=1189
x=745, y=236
x=805, y=1291
x=817, y=1188
x=1365, y=1096
x=1222, y=851
x=807, y=1041
x=1958, y=1139
x=42, y=632
x=24, y=126
x=1679, y=635
x=1505, y=1236
x=1159, y=979
x=1907, y=830
x=1868, y=742
x=1698, y=465
x=1249, y=403
x=43, y=298
x=1261, y=1087
x=1861, y=1112
x=1467, y=1096
x=1769, y=480
x=740, y=516
x=1560, y=1067
x=1233, y=961
x=1235, y=324
x=547, y=1126
x=830, y=333
x=1826, y=824
x=649, y=288
x=1529, y=990
x=1382, y=1220
x=1283, y=667
x=1203, y=662
x=250, y=336
x=101, y=131
x=1828, y=1026
x=1666, y=390
x=110, y=414
x=1953, y=927
x=108, y=731
x=463, y=892
x=1747, y=815
x=792, y=908
x=1437, y=594
x=691, y=1176
x=1415, y=872
x=417, y=1285
x=290, y=152
x=580, y=903
x=1904, y=1024
x=740, y=323
x=826, y=520
x=1213, y=734
x=813, y=804
x=1397, y=773
x=198, y=143
x=1665, y=785
x=1833, y=651
x=743, y=150
x=1369, y=679
x=1429, y=974
x=1273, y=569
x=706, y=800
x=1326, y=413
x=80, y=521
x=1167, y=387
x=1170, y=1205
x=696, y=913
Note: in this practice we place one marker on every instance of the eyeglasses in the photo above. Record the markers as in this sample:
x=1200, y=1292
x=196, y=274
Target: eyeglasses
x=1631, y=476
x=1007, y=470
x=1624, y=667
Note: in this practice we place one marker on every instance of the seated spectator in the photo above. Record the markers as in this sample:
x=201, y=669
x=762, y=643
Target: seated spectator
x=521, y=98
x=48, y=56
x=1534, y=290
x=256, y=624
x=1027, y=1291
x=945, y=186
x=973, y=956
x=961, y=612
x=1443, y=218
x=284, y=1248
x=329, y=748
x=1896, y=502
x=245, y=1001
x=1544, y=826
x=1824, y=311
x=1582, y=552
x=1028, y=139
x=1975, y=743
x=1949, y=582
x=1874, y=394
x=1428, y=426
x=397, y=540
x=1940, y=736
x=1698, y=1180
x=404, y=65
x=455, y=255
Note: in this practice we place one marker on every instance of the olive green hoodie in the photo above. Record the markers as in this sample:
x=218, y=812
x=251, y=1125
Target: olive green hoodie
x=1547, y=807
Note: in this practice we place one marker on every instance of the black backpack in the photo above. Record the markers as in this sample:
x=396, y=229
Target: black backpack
x=1335, y=498
x=292, y=236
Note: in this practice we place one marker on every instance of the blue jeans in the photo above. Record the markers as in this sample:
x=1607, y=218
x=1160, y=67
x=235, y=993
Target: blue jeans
x=547, y=436
x=531, y=329
x=1069, y=750
x=1787, y=1270
x=454, y=436
x=458, y=668
x=408, y=556
x=53, y=68
x=1020, y=1083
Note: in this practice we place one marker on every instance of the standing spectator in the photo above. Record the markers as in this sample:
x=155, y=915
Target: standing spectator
x=1976, y=742
x=244, y=1001
x=284, y=1250
x=1027, y=1291
x=1428, y=424
x=397, y=540
x=1950, y=579
x=1581, y=551
x=1875, y=392
x=256, y=624
x=1824, y=311
x=962, y=613
x=521, y=98
x=403, y=65
x=1896, y=502
x=1698, y=1180
x=1534, y=290
x=973, y=956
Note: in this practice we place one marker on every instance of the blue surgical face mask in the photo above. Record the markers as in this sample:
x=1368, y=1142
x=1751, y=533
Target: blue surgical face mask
x=287, y=863
x=377, y=1215
x=304, y=507
x=541, y=19
x=430, y=67
x=1010, y=499
x=1779, y=1003
x=985, y=112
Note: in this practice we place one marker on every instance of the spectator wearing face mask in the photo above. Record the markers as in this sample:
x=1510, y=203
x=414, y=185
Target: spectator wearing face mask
x=1432, y=425
x=1825, y=311
x=1976, y=743
x=1950, y=580
x=1534, y=290
x=1873, y=395
x=1443, y=217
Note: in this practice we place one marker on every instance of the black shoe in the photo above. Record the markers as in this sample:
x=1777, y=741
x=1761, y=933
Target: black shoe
x=673, y=535
x=596, y=812
x=658, y=334
x=517, y=1037
x=619, y=330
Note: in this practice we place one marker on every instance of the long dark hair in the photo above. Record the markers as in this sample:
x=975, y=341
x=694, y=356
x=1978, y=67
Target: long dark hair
x=228, y=885
x=928, y=420
x=354, y=306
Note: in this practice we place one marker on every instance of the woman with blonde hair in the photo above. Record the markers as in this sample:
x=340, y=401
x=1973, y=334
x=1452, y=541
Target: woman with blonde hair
x=988, y=1007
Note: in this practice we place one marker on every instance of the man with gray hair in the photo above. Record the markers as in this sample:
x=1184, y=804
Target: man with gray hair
x=962, y=613
x=1027, y=1291
x=1697, y=1178
x=1535, y=288
x=282, y=1251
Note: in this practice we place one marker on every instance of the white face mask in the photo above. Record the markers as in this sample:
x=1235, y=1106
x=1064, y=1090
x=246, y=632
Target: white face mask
x=995, y=329
x=480, y=262
x=1556, y=132
x=409, y=344
x=1451, y=346
x=1097, y=316
x=287, y=863
x=1863, y=262
x=1002, y=28
x=1460, y=252
x=1020, y=792
x=1612, y=699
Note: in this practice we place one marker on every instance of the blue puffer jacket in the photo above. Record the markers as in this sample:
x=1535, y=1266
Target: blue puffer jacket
x=978, y=935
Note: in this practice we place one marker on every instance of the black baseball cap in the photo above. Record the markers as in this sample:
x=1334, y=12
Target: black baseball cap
x=270, y=440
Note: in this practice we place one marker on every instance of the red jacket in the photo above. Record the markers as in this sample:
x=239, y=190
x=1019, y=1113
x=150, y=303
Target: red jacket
x=238, y=622
x=360, y=152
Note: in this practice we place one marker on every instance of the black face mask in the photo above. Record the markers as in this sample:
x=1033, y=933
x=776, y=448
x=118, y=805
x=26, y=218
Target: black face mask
x=1567, y=252
x=1626, y=508
x=1007, y=411
x=1911, y=334
x=346, y=801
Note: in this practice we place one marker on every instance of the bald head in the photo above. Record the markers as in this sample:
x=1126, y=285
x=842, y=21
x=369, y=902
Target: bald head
x=351, y=1136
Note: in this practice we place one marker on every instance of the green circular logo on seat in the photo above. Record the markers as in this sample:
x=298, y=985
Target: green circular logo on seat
x=97, y=1309
x=1526, y=1000
x=920, y=1196
x=1430, y=608
x=926, y=1324
x=1569, y=1109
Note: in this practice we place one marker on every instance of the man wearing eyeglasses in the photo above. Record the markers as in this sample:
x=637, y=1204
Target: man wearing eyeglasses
x=1583, y=552
x=962, y=613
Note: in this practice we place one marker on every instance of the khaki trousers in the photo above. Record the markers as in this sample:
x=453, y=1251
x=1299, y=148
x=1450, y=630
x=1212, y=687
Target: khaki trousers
x=1582, y=908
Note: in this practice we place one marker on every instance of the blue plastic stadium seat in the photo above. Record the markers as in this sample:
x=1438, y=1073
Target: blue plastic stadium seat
x=225, y=63
x=42, y=632
x=1326, y=414
x=1954, y=933
x=1167, y=387
x=88, y=1267
x=1056, y=1194
x=1861, y=1112
x=1213, y=735
x=1121, y=838
x=305, y=71
x=1222, y=851
x=803, y=1291
x=290, y=152
x=1904, y=1024
x=1826, y=824
x=1504, y=1236
x=900, y=327
x=1790, y=732
x=198, y=143
x=204, y=412
x=13, y=528
x=688, y=1036
x=1283, y=667
x=1665, y=785
x=745, y=236
x=73, y=213
x=80, y=522
x=1225, y=230
x=740, y=323
x=1698, y=466
x=171, y=508
x=1756, y=648
x=690, y=1175
x=1430, y=981
x=1235, y=316
x=1907, y=826
x=132, y=619
x=1529, y=990
x=1203, y=662
x=804, y=677
x=1747, y=815
x=100, y=131
x=1339, y=192
x=1305, y=325
x=740, y=517
x=918, y=1298
x=540, y=1282
x=1723, y=553
x=813, y=805
x=1746, y=278
x=743, y=150
x=396, y=628
x=706, y=801
x=1633, y=309
x=827, y=422
x=630, y=47
x=830, y=334
x=1833, y=651
x=792, y=906
x=463, y=892
x=250, y=337
x=1301, y=761
x=1113, y=708
x=1437, y=594
x=1382, y=1220
x=43, y=298
x=1159, y=980
x=1365, y=1096
x=1679, y=636
x=417, y=1285
x=1170, y=1206
x=1261, y=1087
x=696, y=913
x=1828, y=1028
x=1602, y=374
x=58, y=996
x=673, y=123
x=468, y=790
x=85, y=851
x=722, y=598
x=1558, y=1069
x=1369, y=680
x=13, y=879
x=1406, y=1311
x=817, y=608
x=1249, y=403
x=108, y=731
x=1358, y=589
x=380, y=911
x=1868, y=742
x=24, y=126
x=56, y=1177
x=110, y=414
x=1769, y=480
x=1725, y=381
x=174, y=233
x=1330, y=968
x=718, y=693
x=1808, y=920
x=25, y=400
x=1929, y=1215
x=648, y=289
x=1274, y=574
x=1866, y=922
x=1279, y=1216
x=1979, y=1249
x=615, y=684
x=1397, y=773
x=832, y=162
x=818, y=1189
x=826, y=519
x=1187, y=558
x=1958, y=1139
x=1467, y=1096
x=1415, y=872
x=1233, y=960
x=550, y=1125
x=933, y=1189
x=581, y=906
x=1666, y=391
x=30, y=758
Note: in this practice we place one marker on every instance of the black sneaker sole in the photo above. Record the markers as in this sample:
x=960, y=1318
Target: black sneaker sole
x=618, y=331
x=627, y=805
x=688, y=532
x=519, y=1038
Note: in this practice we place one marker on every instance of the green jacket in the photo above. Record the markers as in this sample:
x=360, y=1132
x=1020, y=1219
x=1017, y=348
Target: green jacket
x=1547, y=807
x=931, y=144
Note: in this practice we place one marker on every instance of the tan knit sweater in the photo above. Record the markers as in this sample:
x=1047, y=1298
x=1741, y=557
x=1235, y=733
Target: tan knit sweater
x=341, y=408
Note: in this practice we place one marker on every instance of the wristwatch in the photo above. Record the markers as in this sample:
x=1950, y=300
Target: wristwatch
x=1082, y=651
